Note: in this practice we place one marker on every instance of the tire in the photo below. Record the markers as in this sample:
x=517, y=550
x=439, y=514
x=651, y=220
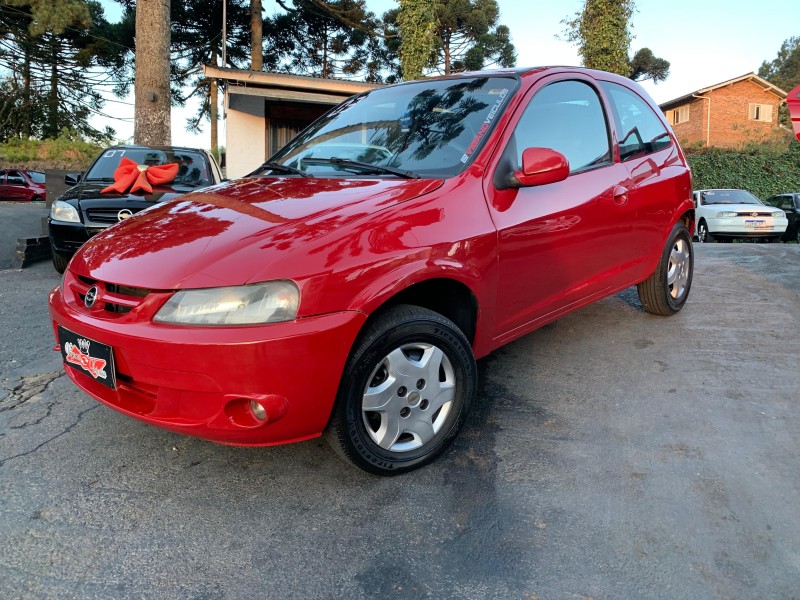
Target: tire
x=703, y=235
x=59, y=262
x=404, y=356
x=664, y=293
x=37, y=199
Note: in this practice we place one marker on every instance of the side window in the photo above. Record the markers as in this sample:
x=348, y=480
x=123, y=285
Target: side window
x=14, y=178
x=786, y=203
x=639, y=130
x=566, y=116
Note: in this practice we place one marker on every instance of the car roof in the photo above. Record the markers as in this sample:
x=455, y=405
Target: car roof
x=540, y=70
x=143, y=147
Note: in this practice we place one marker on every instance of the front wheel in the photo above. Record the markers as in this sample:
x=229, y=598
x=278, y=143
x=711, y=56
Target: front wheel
x=405, y=392
x=665, y=291
x=59, y=262
x=703, y=235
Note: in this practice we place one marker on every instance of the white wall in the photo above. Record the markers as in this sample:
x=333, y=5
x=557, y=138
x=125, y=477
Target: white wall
x=245, y=138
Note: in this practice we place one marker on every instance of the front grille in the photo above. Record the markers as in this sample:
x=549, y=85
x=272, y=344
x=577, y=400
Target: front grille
x=757, y=214
x=115, y=298
x=105, y=215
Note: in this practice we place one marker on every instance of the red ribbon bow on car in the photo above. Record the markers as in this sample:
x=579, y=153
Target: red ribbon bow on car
x=130, y=176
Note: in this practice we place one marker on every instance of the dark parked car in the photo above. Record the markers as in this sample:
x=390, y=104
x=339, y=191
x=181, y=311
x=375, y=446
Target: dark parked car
x=89, y=207
x=19, y=185
x=790, y=204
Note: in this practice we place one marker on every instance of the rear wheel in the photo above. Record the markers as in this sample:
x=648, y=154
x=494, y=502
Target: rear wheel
x=665, y=291
x=405, y=392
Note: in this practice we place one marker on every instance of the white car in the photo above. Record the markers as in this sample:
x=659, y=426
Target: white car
x=729, y=214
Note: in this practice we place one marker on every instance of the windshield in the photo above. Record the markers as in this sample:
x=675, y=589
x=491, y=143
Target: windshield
x=192, y=171
x=730, y=197
x=429, y=128
x=36, y=176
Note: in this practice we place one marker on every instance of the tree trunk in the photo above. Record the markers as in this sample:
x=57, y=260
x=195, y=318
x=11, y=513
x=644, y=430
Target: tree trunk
x=52, y=98
x=447, y=54
x=152, y=107
x=256, y=36
x=26, y=92
x=213, y=99
x=325, y=52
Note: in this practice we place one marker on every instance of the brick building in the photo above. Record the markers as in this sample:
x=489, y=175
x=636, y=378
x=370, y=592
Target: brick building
x=729, y=114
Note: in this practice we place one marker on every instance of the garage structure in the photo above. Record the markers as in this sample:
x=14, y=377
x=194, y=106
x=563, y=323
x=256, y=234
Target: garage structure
x=264, y=110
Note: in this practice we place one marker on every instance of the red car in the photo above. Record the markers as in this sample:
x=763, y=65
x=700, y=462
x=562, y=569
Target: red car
x=348, y=286
x=793, y=102
x=19, y=185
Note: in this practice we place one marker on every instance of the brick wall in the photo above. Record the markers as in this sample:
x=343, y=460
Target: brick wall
x=731, y=125
x=693, y=131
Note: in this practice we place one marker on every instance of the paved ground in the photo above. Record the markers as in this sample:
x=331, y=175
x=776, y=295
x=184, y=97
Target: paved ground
x=18, y=219
x=610, y=455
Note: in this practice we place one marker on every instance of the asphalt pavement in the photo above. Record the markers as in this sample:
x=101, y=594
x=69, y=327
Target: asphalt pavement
x=611, y=454
x=18, y=220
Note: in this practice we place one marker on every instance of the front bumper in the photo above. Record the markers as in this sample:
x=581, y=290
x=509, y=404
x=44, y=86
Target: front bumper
x=66, y=238
x=741, y=227
x=200, y=380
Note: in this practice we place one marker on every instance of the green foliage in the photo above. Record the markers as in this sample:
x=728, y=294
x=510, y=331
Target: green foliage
x=645, y=65
x=416, y=21
x=52, y=78
x=334, y=38
x=52, y=15
x=784, y=70
x=763, y=170
x=64, y=152
x=601, y=31
x=468, y=36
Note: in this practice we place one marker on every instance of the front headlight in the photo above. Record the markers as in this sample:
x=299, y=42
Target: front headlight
x=269, y=302
x=778, y=214
x=64, y=211
x=726, y=214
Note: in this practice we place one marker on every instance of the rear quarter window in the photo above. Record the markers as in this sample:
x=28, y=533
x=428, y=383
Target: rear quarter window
x=639, y=130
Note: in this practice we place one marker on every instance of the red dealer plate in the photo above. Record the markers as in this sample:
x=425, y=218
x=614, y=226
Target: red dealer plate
x=91, y=358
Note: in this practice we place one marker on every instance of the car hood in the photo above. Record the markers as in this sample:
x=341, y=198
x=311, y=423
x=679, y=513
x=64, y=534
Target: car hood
x=90, y=192
x=228, y=234
x=744, y=208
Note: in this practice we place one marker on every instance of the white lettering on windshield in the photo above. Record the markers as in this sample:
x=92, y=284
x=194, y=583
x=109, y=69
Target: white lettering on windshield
x=485, y=127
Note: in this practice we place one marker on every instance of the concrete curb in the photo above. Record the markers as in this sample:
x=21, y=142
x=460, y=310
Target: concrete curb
x=30, y=250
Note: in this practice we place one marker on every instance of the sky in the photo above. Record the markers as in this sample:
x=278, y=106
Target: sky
x=706, y=42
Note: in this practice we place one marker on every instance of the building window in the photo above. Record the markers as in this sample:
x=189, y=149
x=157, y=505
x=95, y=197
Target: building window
x=761, y=112
x=680, y=115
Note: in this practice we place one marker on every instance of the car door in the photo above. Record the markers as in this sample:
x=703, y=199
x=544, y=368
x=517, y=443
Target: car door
x=16, y=187
x=789, y=204
x=654, y=164
x=563, y=242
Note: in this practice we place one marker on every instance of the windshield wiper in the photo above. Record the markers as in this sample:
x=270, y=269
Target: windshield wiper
x=274, y=166
x=346, y=162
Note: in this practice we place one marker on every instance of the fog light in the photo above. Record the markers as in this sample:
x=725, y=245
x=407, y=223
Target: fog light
x=258, y=411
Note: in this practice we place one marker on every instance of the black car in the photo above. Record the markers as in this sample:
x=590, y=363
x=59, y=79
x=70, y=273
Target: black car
x=85, y=210
x=790, y=204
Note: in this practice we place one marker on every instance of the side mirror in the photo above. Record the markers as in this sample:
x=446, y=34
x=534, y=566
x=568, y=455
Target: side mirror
x=72, y=178
x=541, y=166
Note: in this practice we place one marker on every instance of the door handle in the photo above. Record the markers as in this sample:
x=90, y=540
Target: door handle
x=620, y=195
